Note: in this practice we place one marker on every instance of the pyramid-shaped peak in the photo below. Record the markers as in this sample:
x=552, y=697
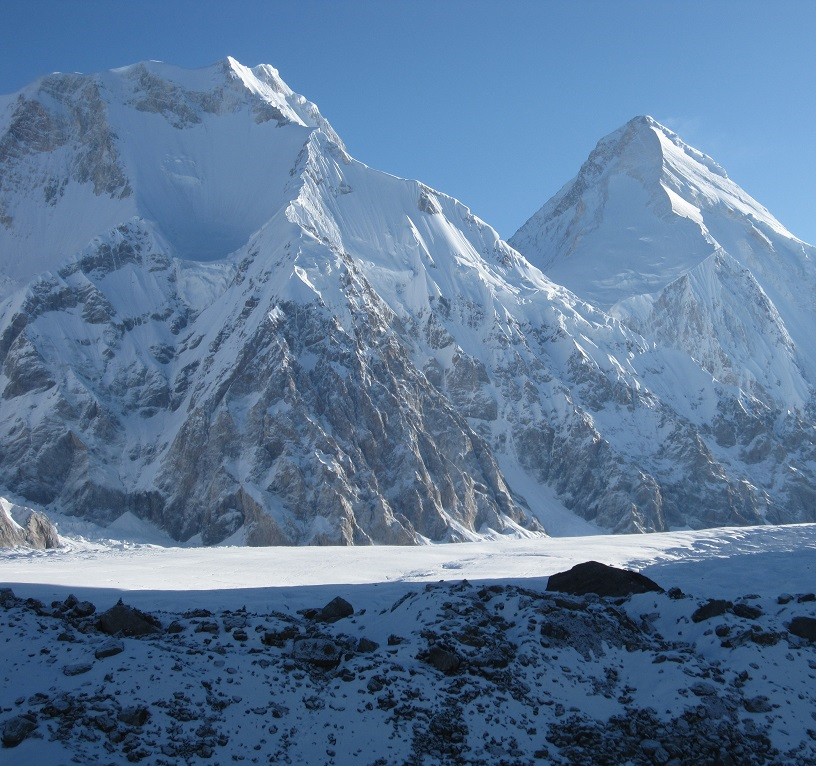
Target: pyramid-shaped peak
x=651, y=144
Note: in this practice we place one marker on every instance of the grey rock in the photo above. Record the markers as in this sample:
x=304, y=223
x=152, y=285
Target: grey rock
x=109, y=648
x=320, y=652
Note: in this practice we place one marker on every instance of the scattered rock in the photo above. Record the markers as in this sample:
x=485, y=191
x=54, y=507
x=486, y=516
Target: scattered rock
x=603, y=580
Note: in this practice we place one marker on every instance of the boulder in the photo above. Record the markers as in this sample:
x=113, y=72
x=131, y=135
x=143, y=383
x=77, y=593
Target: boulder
x=16, y=729
x=714, y=607
x=603, y=580
x=443, y=659
x=134, y=716
x=125, y=620
x=804, y=627
x=320, y=652
x=109, y=648
x=746, y=611
x=366, y=646
x=335, y=610
x=77, y=668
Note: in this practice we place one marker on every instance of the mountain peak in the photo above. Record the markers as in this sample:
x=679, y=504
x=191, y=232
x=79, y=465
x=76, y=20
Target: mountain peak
x=643, y=210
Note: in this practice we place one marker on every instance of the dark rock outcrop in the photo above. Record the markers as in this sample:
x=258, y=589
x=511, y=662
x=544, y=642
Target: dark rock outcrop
x=16, y=729
x=123, y=620
x=803, y=627
x=602, y=580
x=335, y=610
x=714, y=607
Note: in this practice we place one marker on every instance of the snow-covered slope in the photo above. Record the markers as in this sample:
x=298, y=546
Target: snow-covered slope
x=250, y=336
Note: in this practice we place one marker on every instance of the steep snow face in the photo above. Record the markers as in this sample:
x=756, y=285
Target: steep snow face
x=203, y=154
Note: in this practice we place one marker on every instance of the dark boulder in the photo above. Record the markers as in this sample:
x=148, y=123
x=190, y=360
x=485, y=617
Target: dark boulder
x=443, y=659
x=603, y=580
x=746, y=611
x=16, y=729
x=804, y=627
x=335, y=610
x=134, y=716
x=125, y=620
x=714, y=607
x=366, y=646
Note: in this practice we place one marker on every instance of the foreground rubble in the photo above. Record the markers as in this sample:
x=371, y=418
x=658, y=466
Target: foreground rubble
x=450, y=673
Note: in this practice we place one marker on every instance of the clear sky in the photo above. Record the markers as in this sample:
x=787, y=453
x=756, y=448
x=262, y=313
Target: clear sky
x=496, y=103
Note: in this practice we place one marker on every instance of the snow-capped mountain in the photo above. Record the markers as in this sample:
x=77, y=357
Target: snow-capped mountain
x=220, y=322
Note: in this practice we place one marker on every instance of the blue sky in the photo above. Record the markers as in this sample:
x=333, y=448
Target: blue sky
x=497, y=103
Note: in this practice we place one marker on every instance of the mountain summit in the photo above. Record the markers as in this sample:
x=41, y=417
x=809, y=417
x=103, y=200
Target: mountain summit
x=655, y=232
x=644, y=209
x=217, y=321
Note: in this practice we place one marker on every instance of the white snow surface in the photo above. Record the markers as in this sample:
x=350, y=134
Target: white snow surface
x=723, y=562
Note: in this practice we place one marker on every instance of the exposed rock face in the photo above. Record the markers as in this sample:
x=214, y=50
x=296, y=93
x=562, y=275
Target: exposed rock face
x=25, y=527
